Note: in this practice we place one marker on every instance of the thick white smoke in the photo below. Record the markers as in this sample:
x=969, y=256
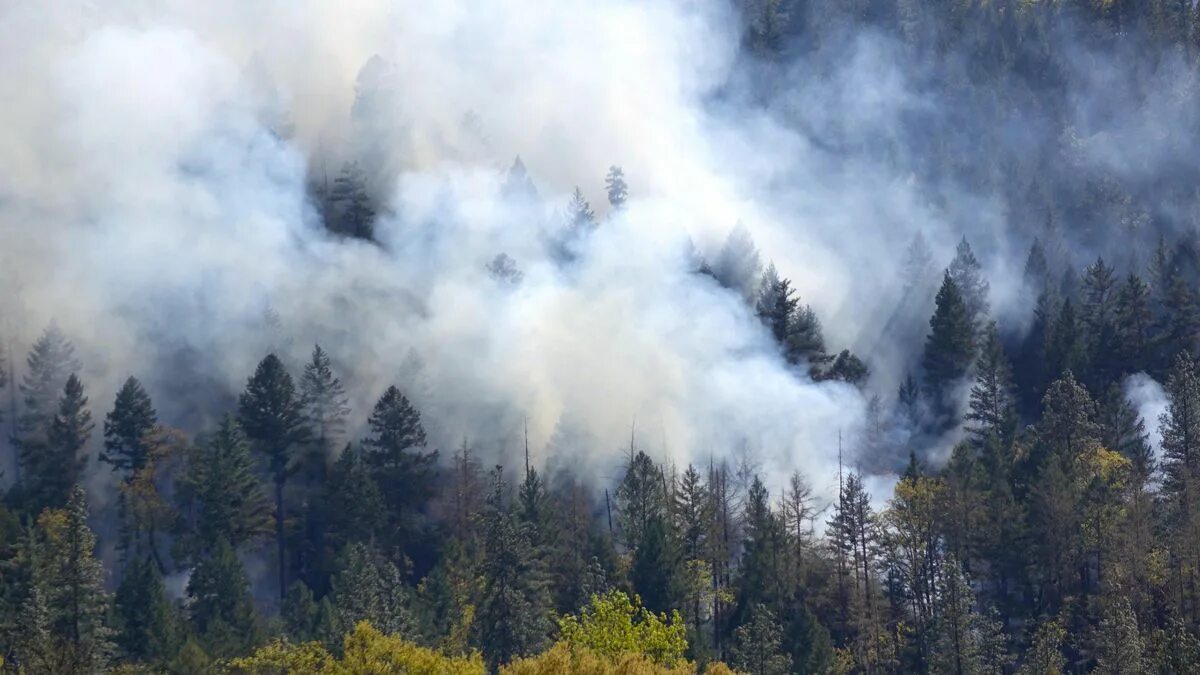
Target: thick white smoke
x=153, y=202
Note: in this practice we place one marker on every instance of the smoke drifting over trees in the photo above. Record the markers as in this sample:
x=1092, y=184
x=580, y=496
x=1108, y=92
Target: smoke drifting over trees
x=888, y=258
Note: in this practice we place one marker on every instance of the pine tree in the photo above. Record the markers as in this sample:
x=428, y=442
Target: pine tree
x=949, y=348
x=512, y=619
x=220, y=497
x=220, y=607
x=146, y=620
x=1045, y=657
x=614, y=185
x=758, y=648
x=403, y=469
x=992, y=408
x=1065, y=349
x=656, y=567
x=1120, y=649
x=52, y=469
x=272, y=417
x=127, y=429
x=968, y=279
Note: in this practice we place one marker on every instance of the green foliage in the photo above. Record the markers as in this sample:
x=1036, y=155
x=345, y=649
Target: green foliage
x=128, y=427
x=614, y=624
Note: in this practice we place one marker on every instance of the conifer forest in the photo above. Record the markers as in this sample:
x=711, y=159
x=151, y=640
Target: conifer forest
x=524, y=337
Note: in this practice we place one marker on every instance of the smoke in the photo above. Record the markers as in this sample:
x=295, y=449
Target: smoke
x=155, y=201
x=1150, y=400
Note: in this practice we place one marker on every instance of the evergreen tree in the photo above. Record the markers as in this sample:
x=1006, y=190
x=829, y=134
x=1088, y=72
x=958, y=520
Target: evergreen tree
x=300, y=613
x=1099, y=317
x=580, y=218
x=71, y=581
x=220, y=606
x=324, y=400
x=518, y=184
x=272, y=417
x=763, y=575
x=918, y=274
x=395, y=450
x=655, y=570
x=1180, y=429
x=1120, y=649
x=351, y=213
x=147, y=628
x=992, y=408
x=220, y=497
x=352, y=505
x=968, y=279
x=512, y=619
x=614, y=185
x=949, y=348
x=52, y=468
x=1045, y=656
x=757, y=645
x=737, y=265
x=48, y=366
x=640, y=498
x=1134, y=323
x=369, y=588
x=127, y=429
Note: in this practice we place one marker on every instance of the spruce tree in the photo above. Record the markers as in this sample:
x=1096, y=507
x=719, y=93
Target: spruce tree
x=763, y=577
x=640, y=498
x=49, y=363
x=352, y=214
x=581, y=219
x=655, y=569
x=272, y=417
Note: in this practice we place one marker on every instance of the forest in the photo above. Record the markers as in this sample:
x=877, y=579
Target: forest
x=723, y=336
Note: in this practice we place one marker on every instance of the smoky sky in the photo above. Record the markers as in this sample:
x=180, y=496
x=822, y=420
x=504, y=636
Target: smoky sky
x=157, y=163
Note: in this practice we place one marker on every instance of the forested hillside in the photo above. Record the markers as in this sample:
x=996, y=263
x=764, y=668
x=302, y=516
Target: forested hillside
x=718, y=336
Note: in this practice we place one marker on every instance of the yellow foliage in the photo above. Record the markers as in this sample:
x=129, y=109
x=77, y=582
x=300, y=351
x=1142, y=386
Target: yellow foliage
x=367, y=652
x=564, y=658
x=613, y=624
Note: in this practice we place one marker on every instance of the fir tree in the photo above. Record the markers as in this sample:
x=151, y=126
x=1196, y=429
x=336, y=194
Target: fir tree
x=640, y=498
x=351, y=214
x=1134, y=323
x=272, y=417
x=580, y=217
x=517, y=183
